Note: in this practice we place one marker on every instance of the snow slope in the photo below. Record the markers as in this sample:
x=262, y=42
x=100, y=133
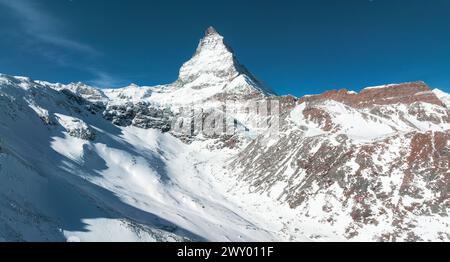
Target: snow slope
x=125, y=184
x=444, y=97
x=345, y=172
x=82, y=164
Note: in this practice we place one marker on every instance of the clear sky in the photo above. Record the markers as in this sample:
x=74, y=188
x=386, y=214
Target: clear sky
x=297, y=47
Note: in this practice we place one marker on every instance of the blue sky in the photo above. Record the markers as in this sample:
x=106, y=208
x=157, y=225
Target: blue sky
x=297, y=47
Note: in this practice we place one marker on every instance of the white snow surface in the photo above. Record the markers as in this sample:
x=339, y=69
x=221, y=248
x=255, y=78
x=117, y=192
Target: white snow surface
x=361, y=125
x=129, y=184
x=380, y=86
x=133, y=184
x=444, y=97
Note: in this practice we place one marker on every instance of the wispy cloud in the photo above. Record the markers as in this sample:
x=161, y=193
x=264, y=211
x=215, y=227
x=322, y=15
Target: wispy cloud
x=43, y=27
x=47, y=32
x=102, y=79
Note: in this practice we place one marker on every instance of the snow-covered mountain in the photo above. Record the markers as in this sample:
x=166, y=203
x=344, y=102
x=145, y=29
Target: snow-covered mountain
x=373, y=166
x=79, y=163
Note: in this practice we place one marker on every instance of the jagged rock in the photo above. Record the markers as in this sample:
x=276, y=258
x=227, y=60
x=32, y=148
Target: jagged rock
x=407, y=93
x=141, y=115
x=76, y=127
x=347, y=152
x=211, y=31
x=86, y=92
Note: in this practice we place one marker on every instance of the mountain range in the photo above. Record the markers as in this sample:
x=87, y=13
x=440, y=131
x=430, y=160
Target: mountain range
x=219, y=156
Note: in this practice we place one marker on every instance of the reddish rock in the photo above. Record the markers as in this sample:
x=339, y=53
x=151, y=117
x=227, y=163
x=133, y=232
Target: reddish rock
x=407, y=93
x=320, y=117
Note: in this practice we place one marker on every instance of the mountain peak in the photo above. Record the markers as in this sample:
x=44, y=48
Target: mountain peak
x=211, y=31
x=215, y=65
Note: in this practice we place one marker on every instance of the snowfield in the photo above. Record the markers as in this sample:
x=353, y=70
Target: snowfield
x=59, y=183
x=78, y=163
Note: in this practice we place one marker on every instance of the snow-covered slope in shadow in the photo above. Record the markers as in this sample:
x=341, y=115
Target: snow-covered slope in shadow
x=79, y=163
x=116, y=183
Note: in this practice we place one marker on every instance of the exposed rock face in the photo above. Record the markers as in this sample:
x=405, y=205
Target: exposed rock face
x=142, y=115
x=406, y=93
x=87, y=92
x=380, y=158
x=212, y=77
x=211, y=31
x=77, y=128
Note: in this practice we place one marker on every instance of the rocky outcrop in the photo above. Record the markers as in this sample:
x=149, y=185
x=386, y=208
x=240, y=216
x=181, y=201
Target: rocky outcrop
x=407, y=93
x=141, y=115
x=76, y=127
x=380, y=158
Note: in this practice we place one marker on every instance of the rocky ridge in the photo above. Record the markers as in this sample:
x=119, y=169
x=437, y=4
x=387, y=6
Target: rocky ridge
x=367, y=166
